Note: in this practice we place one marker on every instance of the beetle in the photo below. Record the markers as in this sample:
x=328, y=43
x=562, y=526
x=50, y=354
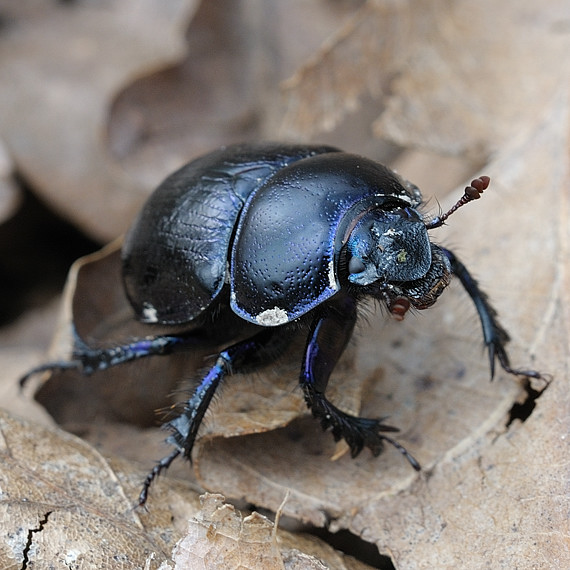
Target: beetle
x=254, y=244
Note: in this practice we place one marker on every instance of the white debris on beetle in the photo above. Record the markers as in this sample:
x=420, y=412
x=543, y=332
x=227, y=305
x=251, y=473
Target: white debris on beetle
x=272, y=317
x=332, y=277
x=150, y=314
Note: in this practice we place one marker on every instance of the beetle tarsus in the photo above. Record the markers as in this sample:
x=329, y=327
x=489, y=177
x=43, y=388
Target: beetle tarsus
x=59, y=365
x=356, y=431
x=160, y=466
x=504, y=361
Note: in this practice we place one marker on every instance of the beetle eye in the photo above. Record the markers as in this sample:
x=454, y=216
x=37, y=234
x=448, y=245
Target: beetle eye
x=356, y=265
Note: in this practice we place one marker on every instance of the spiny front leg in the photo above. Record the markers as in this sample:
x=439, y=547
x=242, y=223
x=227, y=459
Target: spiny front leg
x=494, y=335
x=328, y=338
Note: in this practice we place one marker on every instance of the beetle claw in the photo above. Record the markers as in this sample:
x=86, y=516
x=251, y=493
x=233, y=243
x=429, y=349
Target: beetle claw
x=160, y=466
x=56, y=366
x=356, y=431
x=366, y=432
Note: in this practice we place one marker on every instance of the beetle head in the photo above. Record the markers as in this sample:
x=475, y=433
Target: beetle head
x=388, y=246
x=390, y=257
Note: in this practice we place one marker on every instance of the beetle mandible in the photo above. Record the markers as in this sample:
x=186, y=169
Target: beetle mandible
x=263, y=241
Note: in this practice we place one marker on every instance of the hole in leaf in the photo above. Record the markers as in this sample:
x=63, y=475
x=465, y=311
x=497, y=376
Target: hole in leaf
x=522, y=410
x=350, y=544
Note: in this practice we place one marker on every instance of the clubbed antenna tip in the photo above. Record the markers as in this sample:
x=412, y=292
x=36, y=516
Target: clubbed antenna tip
x=472, y=192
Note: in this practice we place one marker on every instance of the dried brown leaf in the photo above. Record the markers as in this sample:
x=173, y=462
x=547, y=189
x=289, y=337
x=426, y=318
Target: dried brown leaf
x=62, y=502
x=211, y=98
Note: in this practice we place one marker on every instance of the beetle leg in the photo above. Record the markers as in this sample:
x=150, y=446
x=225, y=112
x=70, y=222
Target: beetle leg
x=328, y=338
x=240, y=357
x=88, y=360
x=495, y=336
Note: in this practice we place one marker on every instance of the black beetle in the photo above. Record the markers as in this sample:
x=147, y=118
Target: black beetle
x=259, y=242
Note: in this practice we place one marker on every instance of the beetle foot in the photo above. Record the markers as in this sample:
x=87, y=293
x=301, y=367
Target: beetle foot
x=56, y=366
x=87, y=360
x=183, y=429
x=160, y=466
x=356, y=431
x=497, y=351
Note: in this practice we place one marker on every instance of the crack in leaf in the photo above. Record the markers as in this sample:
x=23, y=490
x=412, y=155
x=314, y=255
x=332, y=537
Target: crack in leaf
x=31, y=532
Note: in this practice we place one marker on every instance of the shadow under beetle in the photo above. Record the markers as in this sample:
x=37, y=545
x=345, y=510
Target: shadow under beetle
x=251, y=244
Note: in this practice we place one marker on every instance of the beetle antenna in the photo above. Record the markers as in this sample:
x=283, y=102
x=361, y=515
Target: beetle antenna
x=472, y=192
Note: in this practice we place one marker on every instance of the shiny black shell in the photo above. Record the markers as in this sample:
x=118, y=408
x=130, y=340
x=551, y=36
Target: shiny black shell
x=270, y=220
x=175, y=255
x=284, y=259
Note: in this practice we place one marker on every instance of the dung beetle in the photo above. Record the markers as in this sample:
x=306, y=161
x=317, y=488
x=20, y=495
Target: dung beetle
x=254, y=244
